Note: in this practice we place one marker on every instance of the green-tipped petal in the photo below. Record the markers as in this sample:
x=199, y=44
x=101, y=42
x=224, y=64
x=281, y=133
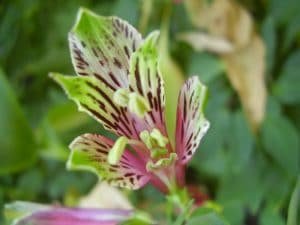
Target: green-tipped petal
x=146, y=81
x=102, y=46
x=90, y=152
x=96, y=99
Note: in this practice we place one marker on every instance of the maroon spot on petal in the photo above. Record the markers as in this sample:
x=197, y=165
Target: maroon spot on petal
x=117, y=63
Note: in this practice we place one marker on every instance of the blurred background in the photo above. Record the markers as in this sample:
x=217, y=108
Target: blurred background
x=247, y=53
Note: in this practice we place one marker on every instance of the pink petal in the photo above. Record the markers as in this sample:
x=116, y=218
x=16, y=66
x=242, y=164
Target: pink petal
x=75, y=216
x=191, y=123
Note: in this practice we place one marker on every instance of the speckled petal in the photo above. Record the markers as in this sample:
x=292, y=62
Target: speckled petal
x=102, y=46
x=90, y=152
x=191, y=124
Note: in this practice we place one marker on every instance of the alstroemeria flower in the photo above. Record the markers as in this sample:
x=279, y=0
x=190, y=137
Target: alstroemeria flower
x=120, y=85
x=26, y=213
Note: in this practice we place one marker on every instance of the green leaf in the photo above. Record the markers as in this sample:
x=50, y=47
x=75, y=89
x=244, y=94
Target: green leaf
x=275, y=198
x=286, y=89
x=294, y=205
x=270, y=39
x=18, y=149
x=171, y=72
x=205, y=216
x=292, y=30
x=30, y=184
x=284, y=11
x=271, y=217
x=281, y=140
x=138, y=218
x=127, y=10
x=241, y=189
x=234, y=212
x=206, y=66
x=210, y=158
x=240, y=142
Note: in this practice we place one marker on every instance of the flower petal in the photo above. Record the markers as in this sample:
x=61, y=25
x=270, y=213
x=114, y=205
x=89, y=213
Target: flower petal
x=37, y=214
x=145, y=79
x=191, y=123
x=96, y=99
x=90, y=152
x=102, y=46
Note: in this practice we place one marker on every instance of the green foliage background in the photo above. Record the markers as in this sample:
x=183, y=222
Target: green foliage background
x=251, y=177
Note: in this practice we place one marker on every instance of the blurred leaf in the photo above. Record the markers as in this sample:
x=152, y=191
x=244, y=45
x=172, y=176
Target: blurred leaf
x=66, y=181
x=206, y=66
x=240, y=143
x=272, y=175
x=205, y=216
x=270, y=39
x=18, y=149
x=171, y=73
x=246, y=186
x=65, y=116
x=287, y=87
x=30, y=184
x=50, y=143
x=139, y=218
x=281, y=140
x=273, y=106
x=269, y=217
x=8, y=30
x=294, y=206
x=234, y=212
x=292, y=31
x=146, y=10
x=210, y=158
x=127, y=10
x=284, y=11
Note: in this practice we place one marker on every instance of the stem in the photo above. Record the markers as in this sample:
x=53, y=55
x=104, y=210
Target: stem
x=294, y=205
x=180, y=174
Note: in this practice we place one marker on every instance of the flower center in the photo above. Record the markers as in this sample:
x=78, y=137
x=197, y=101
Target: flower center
x=155, y=142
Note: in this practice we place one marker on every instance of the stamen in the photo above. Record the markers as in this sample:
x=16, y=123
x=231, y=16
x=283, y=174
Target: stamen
x=155, y=142
x=117, y=150
x=146, y=138
x=121, y=97
x=161, y=140
x=164, y=162
x=138, y=104
x=157, y=152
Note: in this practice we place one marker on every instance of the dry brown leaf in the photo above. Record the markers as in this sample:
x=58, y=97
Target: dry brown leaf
x=245, y=70
x=223, y=19
x=203, y=41
x=105, y=196
x=227, y=20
